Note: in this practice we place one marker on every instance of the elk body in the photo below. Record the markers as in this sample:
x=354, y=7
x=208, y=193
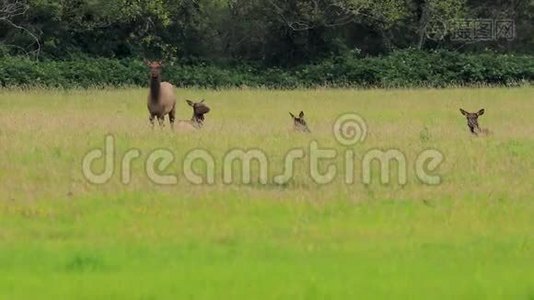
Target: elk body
x=197, y=120
x=299, y=124
x=472, y=122
x=161, y=98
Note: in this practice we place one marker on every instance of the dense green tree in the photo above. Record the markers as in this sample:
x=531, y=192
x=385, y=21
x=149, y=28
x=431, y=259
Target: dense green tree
x=272, y=32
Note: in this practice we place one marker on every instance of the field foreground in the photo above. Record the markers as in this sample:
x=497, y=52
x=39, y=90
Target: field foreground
x=470, y=236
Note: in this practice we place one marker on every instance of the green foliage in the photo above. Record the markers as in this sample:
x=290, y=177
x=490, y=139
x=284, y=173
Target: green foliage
x=73, y=73
x=282, y=33
x=409, y=68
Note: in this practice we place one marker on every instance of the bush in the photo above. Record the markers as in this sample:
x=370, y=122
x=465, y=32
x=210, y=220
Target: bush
x=408, y=68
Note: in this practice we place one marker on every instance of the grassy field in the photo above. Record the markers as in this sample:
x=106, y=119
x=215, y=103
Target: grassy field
x=62, y=237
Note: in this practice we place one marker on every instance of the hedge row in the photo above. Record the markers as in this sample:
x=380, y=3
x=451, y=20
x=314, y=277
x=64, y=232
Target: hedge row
x=407, y=68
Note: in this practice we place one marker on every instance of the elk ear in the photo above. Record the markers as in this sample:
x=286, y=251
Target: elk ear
x=301, y=115
x=480, y=112
x=146, y=62
x=292, y=115
x=463, y=112
x=160, y=63
x=190, y=102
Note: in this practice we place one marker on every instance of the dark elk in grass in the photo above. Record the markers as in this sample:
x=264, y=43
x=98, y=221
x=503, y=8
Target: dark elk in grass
x=299, y=124
x=161, y=98
x=197, y=120
x=472, y=122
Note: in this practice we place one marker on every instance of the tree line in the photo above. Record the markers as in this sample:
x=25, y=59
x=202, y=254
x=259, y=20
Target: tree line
x=273, y=33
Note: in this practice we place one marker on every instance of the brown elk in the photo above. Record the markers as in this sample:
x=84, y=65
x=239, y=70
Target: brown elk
x=161, y=98
x=299, y=124
x=472, y=122
x=197, y=120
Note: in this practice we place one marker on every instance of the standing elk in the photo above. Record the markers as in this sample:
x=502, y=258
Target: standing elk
x=197, y=120
x=161, y=98
x=299, y=124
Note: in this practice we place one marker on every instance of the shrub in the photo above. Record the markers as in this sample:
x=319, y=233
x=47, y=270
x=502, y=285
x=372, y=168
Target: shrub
x=407, y=68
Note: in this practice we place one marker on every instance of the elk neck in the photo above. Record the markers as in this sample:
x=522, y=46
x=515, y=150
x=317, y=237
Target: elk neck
x=155, y=83
x=197, y=120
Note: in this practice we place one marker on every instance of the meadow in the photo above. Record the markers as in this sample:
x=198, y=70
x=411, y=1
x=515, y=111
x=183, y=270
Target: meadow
x=471, y=236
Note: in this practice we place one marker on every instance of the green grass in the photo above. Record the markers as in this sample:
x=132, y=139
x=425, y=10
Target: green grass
x=469, y=237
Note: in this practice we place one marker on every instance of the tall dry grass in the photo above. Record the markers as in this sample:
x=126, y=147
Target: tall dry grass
x=470, y=236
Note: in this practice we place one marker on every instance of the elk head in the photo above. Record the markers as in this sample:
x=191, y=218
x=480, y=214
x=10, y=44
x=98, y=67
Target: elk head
x=155, y=68
x=472, y=120
x=299, y=124
x=199, y=110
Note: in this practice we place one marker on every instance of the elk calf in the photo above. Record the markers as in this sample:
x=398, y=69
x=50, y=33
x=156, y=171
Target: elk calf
x=161, y=98
x=472, y=122
x=197, y=120
x=299, y=124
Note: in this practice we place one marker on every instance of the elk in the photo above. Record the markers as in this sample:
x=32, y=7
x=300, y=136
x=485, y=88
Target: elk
x=299, y=124
x=472, y=122
x=161, y=98
x=197, y=120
